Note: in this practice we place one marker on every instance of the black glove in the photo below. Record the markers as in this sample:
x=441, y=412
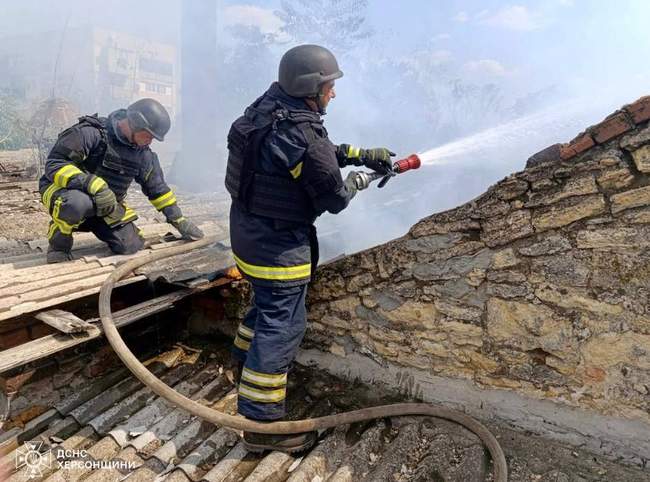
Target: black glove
x=103, y=198
x=378, y=159
x=187, y=228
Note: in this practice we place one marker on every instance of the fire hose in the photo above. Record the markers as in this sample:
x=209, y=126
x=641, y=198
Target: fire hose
x=287, y=427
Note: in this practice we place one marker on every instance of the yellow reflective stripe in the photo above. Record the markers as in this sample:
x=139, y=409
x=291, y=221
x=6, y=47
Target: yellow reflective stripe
x=51, y=230
x=270, y=396
x=47, y=195
x=163, y=201
x=246, y=331
x=63, y=175
x=128, y=213
x=63, y=226
x=264, y=379
x=274, y=272
x=296, y=171
x=97, y=184
x=353, y=151
x=242, y=344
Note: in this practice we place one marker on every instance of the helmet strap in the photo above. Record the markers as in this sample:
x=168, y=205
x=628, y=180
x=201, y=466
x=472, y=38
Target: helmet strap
x=322, y=110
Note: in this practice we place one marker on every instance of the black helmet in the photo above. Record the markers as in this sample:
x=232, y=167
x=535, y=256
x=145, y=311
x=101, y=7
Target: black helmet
x=305, y=68
x=149, y=115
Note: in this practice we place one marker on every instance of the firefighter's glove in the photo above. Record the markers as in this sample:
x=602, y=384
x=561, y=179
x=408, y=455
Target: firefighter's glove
x=187, y=228
x=378, y=159
x=115, y=217
x=105, y=202
x=103, y=198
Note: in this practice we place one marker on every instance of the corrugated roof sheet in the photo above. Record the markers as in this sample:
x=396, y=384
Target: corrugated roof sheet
x=118, y=422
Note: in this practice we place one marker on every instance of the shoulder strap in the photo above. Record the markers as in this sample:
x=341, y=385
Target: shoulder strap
x=93, y=120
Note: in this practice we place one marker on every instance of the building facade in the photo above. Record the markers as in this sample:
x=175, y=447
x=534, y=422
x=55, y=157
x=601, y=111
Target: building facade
x=98, y=70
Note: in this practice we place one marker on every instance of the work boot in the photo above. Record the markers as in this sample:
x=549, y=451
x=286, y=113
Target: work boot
x=55, y=256
x=287, y=443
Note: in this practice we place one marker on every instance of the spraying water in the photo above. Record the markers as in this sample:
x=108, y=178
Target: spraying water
x=551, y=123
x=450, y=175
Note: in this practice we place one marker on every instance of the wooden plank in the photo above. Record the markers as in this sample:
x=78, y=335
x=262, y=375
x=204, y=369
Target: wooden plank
x=58, y=279
x=38, y=273
x=37, y=269
x=48, y=345
x=52, y=291
x=32, y=306
x=64, y=321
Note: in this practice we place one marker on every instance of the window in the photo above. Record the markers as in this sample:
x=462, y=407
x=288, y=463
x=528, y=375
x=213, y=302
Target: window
x=156, y=87
x=156, y=66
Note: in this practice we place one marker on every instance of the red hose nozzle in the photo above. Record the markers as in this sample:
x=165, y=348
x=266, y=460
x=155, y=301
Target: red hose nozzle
x=406, y=164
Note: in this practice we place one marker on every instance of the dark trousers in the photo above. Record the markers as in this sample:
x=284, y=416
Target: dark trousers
x=267, y=341
x=73, y=210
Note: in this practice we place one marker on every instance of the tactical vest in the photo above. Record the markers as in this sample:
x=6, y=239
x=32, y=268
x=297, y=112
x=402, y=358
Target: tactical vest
x=113, y=161
x=272, y=196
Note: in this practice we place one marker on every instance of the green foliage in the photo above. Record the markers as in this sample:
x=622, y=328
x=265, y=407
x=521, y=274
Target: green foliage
x=14, y=133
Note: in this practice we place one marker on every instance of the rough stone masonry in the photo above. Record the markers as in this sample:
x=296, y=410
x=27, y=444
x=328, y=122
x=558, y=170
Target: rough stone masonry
x=529, y=304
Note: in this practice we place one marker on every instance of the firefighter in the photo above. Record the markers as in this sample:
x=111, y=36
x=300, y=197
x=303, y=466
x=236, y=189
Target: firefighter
x=282, y=173
x=89, y=170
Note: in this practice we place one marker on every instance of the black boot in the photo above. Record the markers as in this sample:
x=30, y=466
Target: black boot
x=55, y=256
x=287, y=443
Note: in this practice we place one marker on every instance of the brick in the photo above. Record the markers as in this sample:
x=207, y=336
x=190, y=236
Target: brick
x=549, y=154
x=14, y=338
x=103, y=360
x=611, y=127
x=41, y=330
x=576, y=146
x=10, y=384
x=639, y=110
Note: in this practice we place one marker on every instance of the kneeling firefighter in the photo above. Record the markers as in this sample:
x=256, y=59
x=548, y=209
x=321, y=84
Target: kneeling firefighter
x=89, y=170
x=282, y=173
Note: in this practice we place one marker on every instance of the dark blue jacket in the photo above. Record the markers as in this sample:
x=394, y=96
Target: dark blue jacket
x=271, y=251
x=95, y=146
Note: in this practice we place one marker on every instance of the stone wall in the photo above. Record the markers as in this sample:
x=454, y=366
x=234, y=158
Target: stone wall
x=540, y=286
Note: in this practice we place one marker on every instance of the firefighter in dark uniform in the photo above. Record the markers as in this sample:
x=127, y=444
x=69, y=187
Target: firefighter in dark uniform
x=282, y=173
x=88, y=173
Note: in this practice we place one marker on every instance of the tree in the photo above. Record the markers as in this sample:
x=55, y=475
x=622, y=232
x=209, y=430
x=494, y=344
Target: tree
x=335, y=24
x=13, y=131
x=247, y=68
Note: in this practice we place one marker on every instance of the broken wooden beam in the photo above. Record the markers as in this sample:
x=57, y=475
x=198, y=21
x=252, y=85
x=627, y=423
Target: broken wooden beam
x=64, y=321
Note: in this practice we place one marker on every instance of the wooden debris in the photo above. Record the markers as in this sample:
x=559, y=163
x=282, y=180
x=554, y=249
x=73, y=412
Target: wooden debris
x=64, y=321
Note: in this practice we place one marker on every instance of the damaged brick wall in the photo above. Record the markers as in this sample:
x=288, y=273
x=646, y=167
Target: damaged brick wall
x=539, y=286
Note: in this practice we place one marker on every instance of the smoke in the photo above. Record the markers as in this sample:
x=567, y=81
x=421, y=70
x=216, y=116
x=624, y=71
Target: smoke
x=475, y=92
